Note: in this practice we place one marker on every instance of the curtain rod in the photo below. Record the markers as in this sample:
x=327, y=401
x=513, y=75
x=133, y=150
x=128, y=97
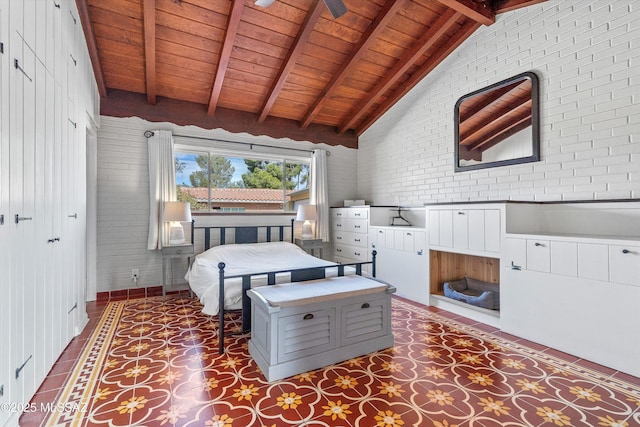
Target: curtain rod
x=149, y=134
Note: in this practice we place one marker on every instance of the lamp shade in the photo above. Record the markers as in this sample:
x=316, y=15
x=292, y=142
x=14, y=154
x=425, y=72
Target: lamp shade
x=177, y=211
x=307, y=213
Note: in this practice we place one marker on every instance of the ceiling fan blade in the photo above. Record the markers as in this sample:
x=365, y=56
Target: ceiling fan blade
x=264, y=3
x=336, y=7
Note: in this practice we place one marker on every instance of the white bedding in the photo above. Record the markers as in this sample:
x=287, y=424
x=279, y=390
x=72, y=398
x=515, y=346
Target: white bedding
x=244, y=259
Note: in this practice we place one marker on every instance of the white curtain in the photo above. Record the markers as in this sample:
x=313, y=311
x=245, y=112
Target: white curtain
x=162, y=184
x=319, y=194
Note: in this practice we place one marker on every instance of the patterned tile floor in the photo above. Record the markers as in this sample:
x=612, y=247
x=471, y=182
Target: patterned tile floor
x=154, y=362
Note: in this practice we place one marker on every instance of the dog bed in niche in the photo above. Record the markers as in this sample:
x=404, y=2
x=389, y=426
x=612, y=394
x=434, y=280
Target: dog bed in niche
x=474, y=292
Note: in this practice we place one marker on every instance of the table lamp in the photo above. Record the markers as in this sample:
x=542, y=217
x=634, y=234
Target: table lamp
x=307, y=213
x=176, y=213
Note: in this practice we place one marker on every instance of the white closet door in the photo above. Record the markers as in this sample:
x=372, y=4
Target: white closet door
x=6, y=226
x=41, y=244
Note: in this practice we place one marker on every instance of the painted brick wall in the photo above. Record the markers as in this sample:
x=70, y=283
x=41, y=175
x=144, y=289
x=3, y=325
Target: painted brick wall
x=123, y=197
x=587, y=55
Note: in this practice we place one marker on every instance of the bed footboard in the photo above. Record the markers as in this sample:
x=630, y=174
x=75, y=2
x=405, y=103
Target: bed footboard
x=297, y=275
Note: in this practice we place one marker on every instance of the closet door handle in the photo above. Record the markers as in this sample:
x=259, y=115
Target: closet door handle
x=22, y=218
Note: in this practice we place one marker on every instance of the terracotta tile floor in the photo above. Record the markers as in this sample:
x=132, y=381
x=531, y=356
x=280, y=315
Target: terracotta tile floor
x=154, y=362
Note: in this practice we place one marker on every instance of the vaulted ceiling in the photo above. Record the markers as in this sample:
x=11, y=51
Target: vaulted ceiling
x=287, y=70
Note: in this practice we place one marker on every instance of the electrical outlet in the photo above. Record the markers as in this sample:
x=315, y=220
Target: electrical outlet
x=135, y=274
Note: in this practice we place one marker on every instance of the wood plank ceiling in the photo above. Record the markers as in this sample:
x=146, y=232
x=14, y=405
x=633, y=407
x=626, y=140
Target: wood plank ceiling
x=288, y=70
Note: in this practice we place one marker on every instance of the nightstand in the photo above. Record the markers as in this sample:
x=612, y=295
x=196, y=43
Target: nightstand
x=171, y=252
x=310, y=245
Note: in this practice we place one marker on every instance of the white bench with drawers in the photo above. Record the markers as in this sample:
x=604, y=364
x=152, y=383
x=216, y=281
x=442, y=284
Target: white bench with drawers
x=298, y=327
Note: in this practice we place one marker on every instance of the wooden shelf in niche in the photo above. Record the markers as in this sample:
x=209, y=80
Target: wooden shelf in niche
x=448, y=266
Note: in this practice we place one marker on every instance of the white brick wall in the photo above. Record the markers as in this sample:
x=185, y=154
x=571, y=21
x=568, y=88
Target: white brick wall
x=587, y=55
x=123, y=196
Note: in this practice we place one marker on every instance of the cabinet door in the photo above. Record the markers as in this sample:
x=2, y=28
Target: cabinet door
x=476, y=229
x=420, y=242
x=538, y=255
x=398, y=240
x=564, y=258
x=433, y=225
x=446, y=228
x=306, y=333
x=408, y=241
x=515, y=253
x=364, y=320
x=460, y=229
x=377, y=237
x=593, y=261
x=492, y=230
x=625, y=264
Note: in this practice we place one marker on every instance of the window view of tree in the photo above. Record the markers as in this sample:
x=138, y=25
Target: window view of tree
x=211, y=182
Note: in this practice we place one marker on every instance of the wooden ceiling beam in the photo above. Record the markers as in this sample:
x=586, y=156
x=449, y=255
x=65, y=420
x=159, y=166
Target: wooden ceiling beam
x=294, y=52
x=478, y=12
x=120, y=103
x=437, y=30
x=227, y=47
x=517, y=4
x=92, y=45
x=149, y=25
x=435, y=59
x=381, y=21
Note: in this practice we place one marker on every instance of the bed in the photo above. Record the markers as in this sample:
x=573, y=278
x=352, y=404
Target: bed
x=221, y=275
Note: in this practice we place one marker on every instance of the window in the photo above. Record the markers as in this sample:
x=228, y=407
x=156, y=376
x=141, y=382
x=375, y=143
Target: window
x=223, y=182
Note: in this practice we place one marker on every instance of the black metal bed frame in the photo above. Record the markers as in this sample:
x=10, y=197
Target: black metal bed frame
x=249, y=234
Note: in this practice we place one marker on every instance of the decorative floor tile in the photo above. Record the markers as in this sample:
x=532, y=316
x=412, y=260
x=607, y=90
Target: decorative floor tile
x=154, y=361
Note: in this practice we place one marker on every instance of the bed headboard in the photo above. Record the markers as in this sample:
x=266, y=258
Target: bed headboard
x=246, y=234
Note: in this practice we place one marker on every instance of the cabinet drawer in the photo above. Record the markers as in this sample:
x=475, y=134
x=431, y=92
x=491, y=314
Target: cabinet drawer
x=183, y=250
x=538, y=255
x=625, y=264
x=358, y=213
x=306, y=333
x=357, y=225
x=349, y=238
x=339, y=213
x=364, y=320
x=350, y=252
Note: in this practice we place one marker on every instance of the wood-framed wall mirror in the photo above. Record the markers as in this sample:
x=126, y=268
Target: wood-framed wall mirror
x=498, y=125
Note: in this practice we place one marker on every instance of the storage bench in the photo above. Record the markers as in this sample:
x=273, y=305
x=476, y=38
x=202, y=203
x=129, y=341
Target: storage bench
x=298, y=327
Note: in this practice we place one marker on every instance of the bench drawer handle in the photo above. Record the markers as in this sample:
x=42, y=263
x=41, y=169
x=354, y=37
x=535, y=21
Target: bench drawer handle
x=308, y=316
x=365, y=305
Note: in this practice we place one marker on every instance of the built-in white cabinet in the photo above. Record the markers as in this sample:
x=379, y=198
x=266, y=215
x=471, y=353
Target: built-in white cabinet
x=465, y=228
x=402, y=259
x=46, y=106
x=566, y=283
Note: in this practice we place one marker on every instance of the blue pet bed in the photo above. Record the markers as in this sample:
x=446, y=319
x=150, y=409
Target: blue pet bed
x=474, y=292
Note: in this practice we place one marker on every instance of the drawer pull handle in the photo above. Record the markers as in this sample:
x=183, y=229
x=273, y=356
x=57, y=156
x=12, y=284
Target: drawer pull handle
x=338, y=250
x=356, y=226
x=339, y=237
x=626, y=251
x=460, y=213
x=308, y=316
x=356, y=240
x=408, y=234
x=356, y=253
x=380, y=231
x=357, y=214
x=338, y=225
x=365, y=305
x=539, y=244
